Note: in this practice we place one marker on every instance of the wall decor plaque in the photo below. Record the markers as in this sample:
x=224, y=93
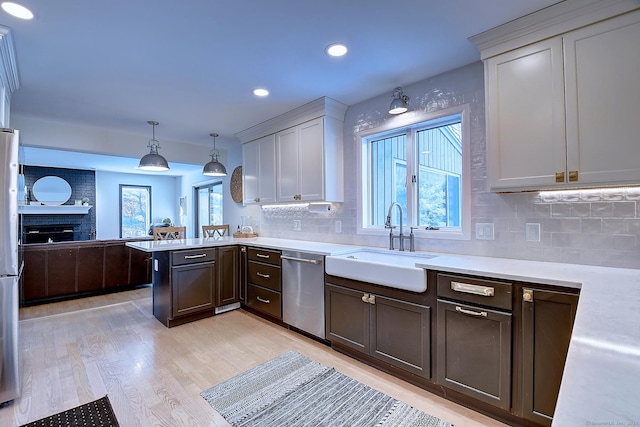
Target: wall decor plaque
x=235, y=184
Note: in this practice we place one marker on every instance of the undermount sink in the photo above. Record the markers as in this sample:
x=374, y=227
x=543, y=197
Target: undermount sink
x=382, y=267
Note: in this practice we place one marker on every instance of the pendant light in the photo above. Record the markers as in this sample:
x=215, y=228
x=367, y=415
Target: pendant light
x=400, y=102
x=153, y=161
x=214, y=167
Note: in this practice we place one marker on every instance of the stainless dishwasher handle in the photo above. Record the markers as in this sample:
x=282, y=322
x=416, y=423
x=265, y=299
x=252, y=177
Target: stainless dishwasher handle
x=266, y=276
x=266, y=301
x=308, y=261
x=471, y=312
x=195, y=256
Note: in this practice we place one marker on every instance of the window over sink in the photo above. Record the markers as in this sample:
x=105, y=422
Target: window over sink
x=420, y=162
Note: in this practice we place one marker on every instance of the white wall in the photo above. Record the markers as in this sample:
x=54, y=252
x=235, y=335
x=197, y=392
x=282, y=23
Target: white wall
x=164, y=199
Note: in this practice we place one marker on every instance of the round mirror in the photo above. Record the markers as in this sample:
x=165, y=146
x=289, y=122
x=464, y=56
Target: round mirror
x=51, y=190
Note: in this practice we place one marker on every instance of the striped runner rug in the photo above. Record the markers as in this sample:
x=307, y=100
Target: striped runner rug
x=293, y=390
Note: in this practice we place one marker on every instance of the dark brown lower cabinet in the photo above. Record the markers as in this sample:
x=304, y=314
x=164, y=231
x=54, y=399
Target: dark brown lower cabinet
x=391, y=330
x=192, y=288
x=228, y=283
x=474, y=352
x=547, y=322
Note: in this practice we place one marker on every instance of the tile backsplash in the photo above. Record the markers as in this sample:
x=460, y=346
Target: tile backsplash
x=597, y=227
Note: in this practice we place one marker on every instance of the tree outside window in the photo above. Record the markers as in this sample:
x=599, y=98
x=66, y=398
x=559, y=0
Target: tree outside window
x=135, y=210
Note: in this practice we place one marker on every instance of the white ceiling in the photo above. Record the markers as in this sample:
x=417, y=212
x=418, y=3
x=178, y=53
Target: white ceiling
x=191, y=65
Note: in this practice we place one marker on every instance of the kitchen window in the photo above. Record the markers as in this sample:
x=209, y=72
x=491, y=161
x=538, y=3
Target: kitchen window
x=208, y=205
x=135, y=210
x=420, y=163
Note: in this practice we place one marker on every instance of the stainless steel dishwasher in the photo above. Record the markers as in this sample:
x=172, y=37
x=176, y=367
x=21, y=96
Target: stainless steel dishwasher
x=303, y=291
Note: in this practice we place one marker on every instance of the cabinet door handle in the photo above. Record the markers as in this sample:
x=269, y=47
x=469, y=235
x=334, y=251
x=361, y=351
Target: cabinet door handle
x=372, y=299
x=365, y=298
x=471, y=312
x=266, y=301
x=195, y=256
x=467, y=288
x=573, y=176
x=266, y=276
x=262, y=256
x=559, y=176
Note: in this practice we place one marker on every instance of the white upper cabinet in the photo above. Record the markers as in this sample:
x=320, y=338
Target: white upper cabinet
x=308, y=156
x=258, y=171
x=602, y=74
x=9, y=81
x=301, y=163
x=562, y=112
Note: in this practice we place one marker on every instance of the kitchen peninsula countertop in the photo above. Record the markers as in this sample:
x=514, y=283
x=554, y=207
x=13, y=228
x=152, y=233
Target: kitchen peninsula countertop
x=601, y=379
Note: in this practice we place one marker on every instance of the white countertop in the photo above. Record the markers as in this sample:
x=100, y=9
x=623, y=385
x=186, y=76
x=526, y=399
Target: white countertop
x=601, y=380
x=263, y=242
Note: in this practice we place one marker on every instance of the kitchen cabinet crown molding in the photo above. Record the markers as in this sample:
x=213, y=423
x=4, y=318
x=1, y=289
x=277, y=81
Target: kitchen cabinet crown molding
x=9, y=70
x=324, y=106
x=551, y=21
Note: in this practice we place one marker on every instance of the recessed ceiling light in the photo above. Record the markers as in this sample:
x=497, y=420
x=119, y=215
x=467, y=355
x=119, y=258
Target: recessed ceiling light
x=260, y=92
x=336, y=49
x=17, y=10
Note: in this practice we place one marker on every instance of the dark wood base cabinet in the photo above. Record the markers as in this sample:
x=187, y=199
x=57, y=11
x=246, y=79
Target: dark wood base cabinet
x=190, y=284
x=494, y=346
x=264, y=282
x=63, y=270
x=394, y=331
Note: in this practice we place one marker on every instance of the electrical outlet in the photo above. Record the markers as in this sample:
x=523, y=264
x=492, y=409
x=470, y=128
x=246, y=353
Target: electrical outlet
x=297, y=225
x=484, y=231
x=338, y=225
x=532, y=231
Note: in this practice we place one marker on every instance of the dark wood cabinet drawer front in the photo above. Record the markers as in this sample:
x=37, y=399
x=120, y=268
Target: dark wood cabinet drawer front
x=264, y=255
x=193, y=256
x=264, y=300
x=487, y=293
x=264, y=275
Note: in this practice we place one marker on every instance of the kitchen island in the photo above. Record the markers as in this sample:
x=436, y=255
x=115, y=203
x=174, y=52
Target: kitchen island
x=601, y=380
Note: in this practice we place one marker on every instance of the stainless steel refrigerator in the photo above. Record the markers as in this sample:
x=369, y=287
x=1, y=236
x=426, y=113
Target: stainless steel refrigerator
x=10, y=266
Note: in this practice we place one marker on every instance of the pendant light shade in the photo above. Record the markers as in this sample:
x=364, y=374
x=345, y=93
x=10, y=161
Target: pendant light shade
x=400, y=103
x=153, y=161
x=214, y=167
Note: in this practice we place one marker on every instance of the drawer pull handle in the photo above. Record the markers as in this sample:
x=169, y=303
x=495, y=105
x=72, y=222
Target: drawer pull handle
x=195, y=256
x=485, y=291
x=266, y=301
x=262, y=256
x=266, y=276
x=471, y=312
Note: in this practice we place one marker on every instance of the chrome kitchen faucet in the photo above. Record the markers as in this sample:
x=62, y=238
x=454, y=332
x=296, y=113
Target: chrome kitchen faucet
x=400, y=236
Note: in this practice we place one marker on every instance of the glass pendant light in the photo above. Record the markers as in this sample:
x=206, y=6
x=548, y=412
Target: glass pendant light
x=214, y=167
x=153, y=161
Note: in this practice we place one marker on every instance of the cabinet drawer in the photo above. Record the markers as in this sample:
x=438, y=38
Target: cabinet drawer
x=264, y=275
x=264, y=300
x=264, y=255
x=192, y=256
x=488, y=293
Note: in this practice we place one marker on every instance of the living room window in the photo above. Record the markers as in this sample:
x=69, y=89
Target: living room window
x=135, y=210
x=421, y=164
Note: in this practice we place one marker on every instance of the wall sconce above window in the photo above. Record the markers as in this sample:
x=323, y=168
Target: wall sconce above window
x=400, y=103
x=153, y=161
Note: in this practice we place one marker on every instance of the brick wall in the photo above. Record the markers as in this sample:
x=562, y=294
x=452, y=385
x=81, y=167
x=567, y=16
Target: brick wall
x=83, y=184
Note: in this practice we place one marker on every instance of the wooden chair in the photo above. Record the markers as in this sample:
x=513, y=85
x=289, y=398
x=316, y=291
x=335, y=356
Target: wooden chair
x=216, y=231
x=166, y=233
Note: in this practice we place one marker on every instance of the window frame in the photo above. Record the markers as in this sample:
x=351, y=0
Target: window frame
x=407, y=123
x=146, y=187
x=196, y=202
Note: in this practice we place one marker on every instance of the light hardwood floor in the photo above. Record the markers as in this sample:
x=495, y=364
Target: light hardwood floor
x=77, y=351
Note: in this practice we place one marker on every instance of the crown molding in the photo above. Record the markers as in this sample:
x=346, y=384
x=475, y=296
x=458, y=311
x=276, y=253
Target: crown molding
x=549, y=22
x=321, y=107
